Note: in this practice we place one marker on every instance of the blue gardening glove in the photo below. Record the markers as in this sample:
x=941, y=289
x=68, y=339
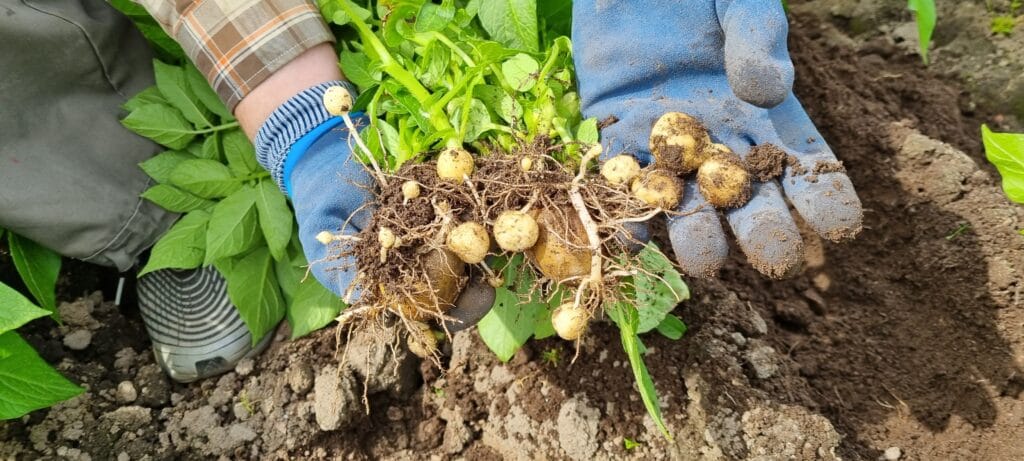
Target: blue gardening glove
x=726, y=63
x=307, y=152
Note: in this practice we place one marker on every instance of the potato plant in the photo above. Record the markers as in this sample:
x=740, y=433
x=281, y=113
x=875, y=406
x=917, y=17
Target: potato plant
x=1006, y=152
x=457, y=94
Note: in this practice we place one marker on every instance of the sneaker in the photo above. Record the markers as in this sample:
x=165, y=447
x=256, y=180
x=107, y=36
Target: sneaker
x=196, y=331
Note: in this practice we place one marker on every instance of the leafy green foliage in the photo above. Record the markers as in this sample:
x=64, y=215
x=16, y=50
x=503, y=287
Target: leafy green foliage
x=38, y=268
x=236, y=218
x=26, y=382
x=1003, y=25
x=1006, y=152
x=658, y=288
x=926, y=15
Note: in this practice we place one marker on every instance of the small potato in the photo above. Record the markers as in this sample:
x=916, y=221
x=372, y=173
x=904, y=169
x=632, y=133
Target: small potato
x=454, y=164
x=620, y=169
x=445, y=274
x=386, y=237
x=515, y=231
x=422, y=342
x=569, y=321
x=526, y=164
x=659, y=189
x=561, y=250
x=724, y=181
x=337, y=100
x=410, y=190
x=469, y=241
x=678, y=142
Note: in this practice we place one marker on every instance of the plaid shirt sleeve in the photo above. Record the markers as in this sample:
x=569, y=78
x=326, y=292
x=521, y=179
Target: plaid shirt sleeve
x=237, y=44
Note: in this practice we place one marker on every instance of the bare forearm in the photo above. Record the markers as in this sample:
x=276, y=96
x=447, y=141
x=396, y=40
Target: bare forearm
x=317, y=65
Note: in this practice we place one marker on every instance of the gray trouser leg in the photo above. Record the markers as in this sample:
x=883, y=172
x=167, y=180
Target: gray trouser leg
x=69, y=176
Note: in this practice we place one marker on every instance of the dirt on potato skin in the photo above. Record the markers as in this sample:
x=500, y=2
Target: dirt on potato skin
x=908, y=337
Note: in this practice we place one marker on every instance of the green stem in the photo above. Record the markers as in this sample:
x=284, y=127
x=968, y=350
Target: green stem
x=226, y=126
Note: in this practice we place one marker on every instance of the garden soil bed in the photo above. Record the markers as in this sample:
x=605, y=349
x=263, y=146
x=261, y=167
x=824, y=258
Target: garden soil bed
x=909, y=338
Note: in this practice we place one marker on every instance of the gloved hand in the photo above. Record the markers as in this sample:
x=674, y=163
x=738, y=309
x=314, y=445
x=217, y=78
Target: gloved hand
x=307, y=151
x=726, y=63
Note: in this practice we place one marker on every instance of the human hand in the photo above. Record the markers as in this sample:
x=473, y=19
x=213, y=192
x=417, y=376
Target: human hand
x=726, y=63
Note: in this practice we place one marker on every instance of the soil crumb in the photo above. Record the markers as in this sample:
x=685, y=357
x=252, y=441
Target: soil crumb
x=766, y=162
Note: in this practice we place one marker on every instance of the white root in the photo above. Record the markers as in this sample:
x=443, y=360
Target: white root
x=576, y=198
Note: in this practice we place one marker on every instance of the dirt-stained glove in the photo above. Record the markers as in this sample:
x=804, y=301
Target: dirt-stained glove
x=726, y=63
x=307, y=151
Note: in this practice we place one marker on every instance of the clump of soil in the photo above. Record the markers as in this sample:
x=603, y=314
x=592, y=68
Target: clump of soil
x=766, y=162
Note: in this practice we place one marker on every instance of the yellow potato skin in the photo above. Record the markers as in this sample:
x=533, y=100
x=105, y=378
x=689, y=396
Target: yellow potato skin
x=679, y=142
x=658, y=189
x=469, y=241
x=515, y=231
x=724, y=181
x=620, y=169
x=569, y=321
x=556, y=259
x=454, y=164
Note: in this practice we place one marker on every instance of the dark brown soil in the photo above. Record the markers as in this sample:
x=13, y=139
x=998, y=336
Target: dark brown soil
x=765, y=162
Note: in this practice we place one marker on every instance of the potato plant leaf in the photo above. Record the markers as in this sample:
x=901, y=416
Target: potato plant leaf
x=199, y=87
x=658, y=288
x=38, y=267
x=183, y=246
x=161, y=123
x=16, y=309
x=512, y=320
x=672, y=327
x=275, y=218
x=511, y=22
x=173, y=84
x=1006, y=152
x=27, y=383
x=174, y=199
x=312, y=307
x=232, y=229
x=253, y=289
x=160, y=166
x=240, y=154
x=205, y=178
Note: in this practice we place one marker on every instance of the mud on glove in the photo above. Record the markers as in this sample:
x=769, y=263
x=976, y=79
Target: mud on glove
x=726, y=63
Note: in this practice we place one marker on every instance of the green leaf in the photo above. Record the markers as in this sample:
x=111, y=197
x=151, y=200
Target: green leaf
x=1006, y=152
x=672, y=327
x=556, y=15
x=627, y=318
x=433, y=17
x=205, y=94
x=16, y=309
x=160, y=166
x=511, y=22
x=205, y=178
x=174, y=199
x=166, y=47
x=161, y=123
x=173, y=85
x=275, y=218
x=521, y=72
x=211, y=148
x=511, y=321
x=38, y=267
x=183, y=246
x=240, y=154
x=27, y=383
x=252, y=288
x=926, y=18
x=312, y=308
x=587, y=131
x=474, y=123
x=232, y=228
x=150, y=95
x=356, y=67
x=658, y=287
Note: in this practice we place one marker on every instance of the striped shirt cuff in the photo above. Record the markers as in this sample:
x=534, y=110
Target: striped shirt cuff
x=289, y=122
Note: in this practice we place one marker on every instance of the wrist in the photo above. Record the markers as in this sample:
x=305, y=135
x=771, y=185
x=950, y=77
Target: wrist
x=315, y=66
